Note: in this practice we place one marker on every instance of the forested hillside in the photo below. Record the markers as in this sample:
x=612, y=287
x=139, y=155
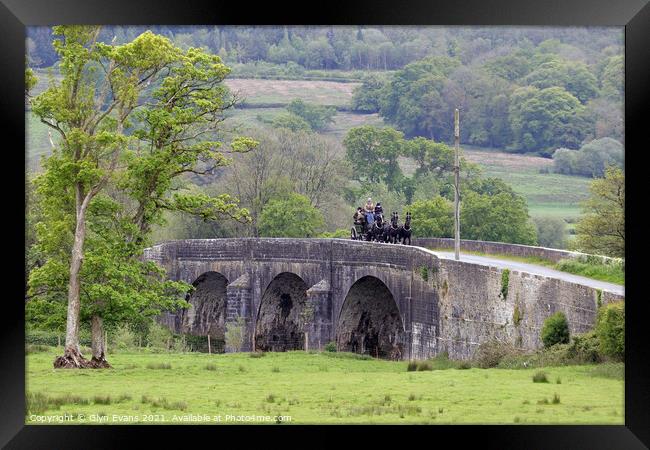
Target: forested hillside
x=311, y=96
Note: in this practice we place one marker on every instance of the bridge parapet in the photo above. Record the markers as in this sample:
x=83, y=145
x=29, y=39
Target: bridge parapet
x=441, y=305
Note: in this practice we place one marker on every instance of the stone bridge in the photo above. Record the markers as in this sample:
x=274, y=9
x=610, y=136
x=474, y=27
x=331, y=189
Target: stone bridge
x=389, y=301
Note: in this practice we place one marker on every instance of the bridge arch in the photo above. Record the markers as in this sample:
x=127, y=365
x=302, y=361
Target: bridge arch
x=369, y=321
x=207, y=311
x=278, y=324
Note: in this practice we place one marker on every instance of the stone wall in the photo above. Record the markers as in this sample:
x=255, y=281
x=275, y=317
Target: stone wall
x=502, y=248
x=441, y=305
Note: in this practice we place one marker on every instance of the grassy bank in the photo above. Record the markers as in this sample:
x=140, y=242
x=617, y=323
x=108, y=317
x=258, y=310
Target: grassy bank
x=316, y=388
x=611, y=273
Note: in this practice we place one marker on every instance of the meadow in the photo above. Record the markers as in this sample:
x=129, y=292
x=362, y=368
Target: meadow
x=311, y=388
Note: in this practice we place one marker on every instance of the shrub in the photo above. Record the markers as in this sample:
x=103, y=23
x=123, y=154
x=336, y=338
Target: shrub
x=412, y=366
x=540, y=377
x=123, y=338
x=159, y=366
x=586, y=347
x=102, y=400
x=555, y=330
x=464, y=365
x=424, y=365
x=489, y=354
x=330, y=347
x=235, y=334
x=556, y=399
x=505, y=281
x=611, y=330
x=159, y=337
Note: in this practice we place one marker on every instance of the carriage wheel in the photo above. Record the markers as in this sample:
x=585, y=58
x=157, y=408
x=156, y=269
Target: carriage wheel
x=353, y=234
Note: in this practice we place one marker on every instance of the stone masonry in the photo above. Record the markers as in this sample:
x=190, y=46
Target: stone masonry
x=393, y=300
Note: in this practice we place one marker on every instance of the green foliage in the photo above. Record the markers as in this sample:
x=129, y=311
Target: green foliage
x=424, y=366
x=433, y=218
x=491, y=353
x=612, y=272
x=291, y=121
x=555, y=330
x=540, y=377
x=424, y=273
x=317, y=116
x=330, y=347
x=492, y=211
x=572, y=76
x=123, y=338
x=585, y=348
x=551, y=232
x=412, y=366
x=543, y=120
x=373, y=152
x=611, y=330
x=293, y=216
x=235, y=333
x=341, y=233
x=413, y=99
x=505, y=283
x=591, y=159
x=367, y=97
x=602, y=227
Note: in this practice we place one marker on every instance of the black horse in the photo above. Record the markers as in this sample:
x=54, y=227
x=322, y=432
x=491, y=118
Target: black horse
x=393, y=228
x=378, y=231
x=405, y=231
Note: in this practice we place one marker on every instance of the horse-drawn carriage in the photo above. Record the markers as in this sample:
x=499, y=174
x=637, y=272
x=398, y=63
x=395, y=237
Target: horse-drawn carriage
x=380, y=230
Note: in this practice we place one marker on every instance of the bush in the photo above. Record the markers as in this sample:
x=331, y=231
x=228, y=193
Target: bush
x=555, y=330
x=123, y=338
x=412, y=366
x=424, y=365
x=611, y=330
x=586, y=347
x=330, y=347
x=540, y=377
x=235, y=334
x=489, y=354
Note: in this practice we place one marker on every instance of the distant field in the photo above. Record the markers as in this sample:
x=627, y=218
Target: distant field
x=256, y=91
x=250, y=118
x=547, y=194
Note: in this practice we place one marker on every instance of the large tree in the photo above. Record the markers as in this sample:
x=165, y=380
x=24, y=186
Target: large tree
x=171, y=100
x=543, y=120
x=373, y=154
x=602, y=228
x=89, y=109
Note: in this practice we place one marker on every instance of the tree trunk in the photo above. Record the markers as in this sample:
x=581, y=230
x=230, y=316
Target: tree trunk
x=98, y=360
x=72, y=357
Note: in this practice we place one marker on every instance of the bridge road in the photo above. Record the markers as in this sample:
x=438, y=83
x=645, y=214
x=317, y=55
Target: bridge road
x=534, y=269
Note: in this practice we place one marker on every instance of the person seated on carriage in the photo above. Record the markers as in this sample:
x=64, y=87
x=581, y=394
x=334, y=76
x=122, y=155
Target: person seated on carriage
x=359, y=216
x=379, y=211
x=369, y=210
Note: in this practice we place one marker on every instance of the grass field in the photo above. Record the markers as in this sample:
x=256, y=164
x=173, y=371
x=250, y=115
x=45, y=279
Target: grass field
x=283, y=91
x=317, y=388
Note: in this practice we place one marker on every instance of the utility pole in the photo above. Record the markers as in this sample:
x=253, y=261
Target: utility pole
x=456, y=186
